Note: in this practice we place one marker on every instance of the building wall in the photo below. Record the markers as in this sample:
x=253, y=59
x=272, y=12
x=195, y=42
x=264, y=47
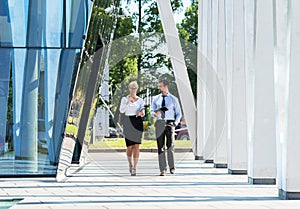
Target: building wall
x=40, y=49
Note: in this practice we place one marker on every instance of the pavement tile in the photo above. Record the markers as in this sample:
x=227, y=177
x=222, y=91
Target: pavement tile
x=104, y=182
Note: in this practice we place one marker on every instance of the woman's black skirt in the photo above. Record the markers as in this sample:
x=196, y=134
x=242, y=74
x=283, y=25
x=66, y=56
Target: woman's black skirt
x=133, y=130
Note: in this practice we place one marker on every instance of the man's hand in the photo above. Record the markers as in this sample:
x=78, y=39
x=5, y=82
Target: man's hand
x=139, y=114
x=157, y=113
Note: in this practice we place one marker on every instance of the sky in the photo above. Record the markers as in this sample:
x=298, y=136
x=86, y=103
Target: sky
x=178, y=17
x=186, y=3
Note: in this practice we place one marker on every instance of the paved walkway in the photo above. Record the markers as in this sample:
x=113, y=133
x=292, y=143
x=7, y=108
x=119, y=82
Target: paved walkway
x=105, y=183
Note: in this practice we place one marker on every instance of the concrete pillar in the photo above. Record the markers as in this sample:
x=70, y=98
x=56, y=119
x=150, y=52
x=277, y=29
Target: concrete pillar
x=237, y=144
x=214, y=35
x=281, y=77
x=260, y=92
x=208, y=149
x=220, y=157
x=212, y=77
x=201, y=49
x=287, y=46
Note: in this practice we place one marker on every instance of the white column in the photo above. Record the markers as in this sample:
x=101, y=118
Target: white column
x=228, y=68
x=281, y=77
x=214, y=35
x=220, y=158
x=208, y=150
x=288, y=117
x=180, y=70
x=260, y=94
x=237, y=156
x=212, y=76
x=201, y=49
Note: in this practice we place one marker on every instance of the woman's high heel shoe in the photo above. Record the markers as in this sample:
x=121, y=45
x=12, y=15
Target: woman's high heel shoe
x=133, y=172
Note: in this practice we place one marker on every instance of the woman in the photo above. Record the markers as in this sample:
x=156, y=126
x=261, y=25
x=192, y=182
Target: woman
x=133, y=107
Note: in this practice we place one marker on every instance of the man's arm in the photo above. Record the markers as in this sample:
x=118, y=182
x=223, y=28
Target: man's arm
x=177, y=111
x=153, y=107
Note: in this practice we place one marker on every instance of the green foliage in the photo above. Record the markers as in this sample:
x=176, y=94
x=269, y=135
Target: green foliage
x=188, y=32
x=71, y=129
x=188, y=29
x=151, y=23
x=124, y=27
x=151, y=65
x=121, y=72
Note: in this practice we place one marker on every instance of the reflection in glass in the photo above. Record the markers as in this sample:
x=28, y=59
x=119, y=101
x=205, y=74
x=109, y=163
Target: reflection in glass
x=38, y=67
x=4, y=86
x=53, y=34
x=82, y=108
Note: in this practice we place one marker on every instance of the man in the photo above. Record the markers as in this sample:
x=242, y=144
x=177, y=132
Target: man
x=165, y=107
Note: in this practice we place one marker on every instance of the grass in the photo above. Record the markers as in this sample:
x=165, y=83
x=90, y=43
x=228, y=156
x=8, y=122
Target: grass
x=120, y=143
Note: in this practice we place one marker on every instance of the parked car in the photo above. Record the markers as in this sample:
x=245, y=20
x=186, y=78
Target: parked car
x=181, y=133
x=114, y=133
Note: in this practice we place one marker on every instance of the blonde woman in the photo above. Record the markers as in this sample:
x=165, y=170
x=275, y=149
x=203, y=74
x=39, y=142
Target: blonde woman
x=133, y=107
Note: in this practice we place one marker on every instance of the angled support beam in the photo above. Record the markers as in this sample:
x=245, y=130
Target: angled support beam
x=180, y=70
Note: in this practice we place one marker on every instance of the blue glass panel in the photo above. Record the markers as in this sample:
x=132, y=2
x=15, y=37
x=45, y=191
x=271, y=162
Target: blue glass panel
x=42, y=78
x=36, y=20
x=5, y=32
x=51, y=76
x=68, y=62
x=18, y=66
x=45, y=25
x=77, y=15
x=26, y=102
x=18, y=11
x=54, y=24
x=4, y=85
x=90, y=4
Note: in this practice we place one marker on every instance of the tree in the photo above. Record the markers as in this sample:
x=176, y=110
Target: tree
x=148, y=60
x=151, y=60
x=188, y=32
x=127, y=66
x=188, y=29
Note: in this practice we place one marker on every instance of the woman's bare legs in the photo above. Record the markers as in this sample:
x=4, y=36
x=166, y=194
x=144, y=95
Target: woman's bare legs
x=136, y=155
x=133, y=151
x=129, y=157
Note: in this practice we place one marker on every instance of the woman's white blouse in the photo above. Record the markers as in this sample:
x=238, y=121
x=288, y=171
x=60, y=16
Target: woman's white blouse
x=133, y=107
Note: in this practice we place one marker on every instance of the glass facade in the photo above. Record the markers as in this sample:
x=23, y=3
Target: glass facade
x=93, y=61
x=41, y=50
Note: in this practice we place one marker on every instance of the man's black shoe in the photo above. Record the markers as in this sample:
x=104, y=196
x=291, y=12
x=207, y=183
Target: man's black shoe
x=163, y=173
